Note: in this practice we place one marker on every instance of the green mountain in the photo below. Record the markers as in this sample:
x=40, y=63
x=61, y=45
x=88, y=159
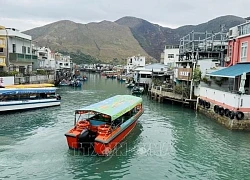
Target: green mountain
x=153, y=37
x=104, y=41
x=128, y=36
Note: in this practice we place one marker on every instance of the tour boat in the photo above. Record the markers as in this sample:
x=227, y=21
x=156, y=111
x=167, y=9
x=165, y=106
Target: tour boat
x=27, y=98
x=30, y=85
x=105, y=124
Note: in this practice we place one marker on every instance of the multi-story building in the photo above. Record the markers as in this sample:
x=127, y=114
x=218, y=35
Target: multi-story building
x=171, y=55
x=63, y=62
x=46, y=58
x=2, y=50
x=19, y=51
x=226, y=97
x=238, y=44
x=134, y=62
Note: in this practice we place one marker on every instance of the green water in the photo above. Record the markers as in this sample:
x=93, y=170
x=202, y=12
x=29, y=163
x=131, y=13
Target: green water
x=169, y=142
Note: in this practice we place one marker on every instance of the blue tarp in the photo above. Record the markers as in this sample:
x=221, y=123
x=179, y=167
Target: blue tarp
x=26, y=91
x=232, y=71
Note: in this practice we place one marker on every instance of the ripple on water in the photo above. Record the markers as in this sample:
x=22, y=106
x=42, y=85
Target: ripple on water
x=169, y=142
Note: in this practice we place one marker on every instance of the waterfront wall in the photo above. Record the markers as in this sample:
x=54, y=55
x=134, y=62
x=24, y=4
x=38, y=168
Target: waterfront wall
x=232, y=101
x=232, y=124
x=35, y=79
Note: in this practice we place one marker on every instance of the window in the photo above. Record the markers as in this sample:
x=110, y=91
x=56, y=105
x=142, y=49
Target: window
x=23, y=49
x=230, y=32
x=28, y=50
x=14, y=48
x=60, y=64
x=230, y=51
x=245, y=29
x=1, y=50
x=170, y=55
x=243, y=55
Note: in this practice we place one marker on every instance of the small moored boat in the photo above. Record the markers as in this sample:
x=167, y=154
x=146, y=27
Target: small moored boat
x=105, y=124
x=130, y=85
x=137, y=90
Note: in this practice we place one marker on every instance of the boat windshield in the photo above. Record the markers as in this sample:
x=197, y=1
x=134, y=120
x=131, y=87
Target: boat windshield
x=94, y=118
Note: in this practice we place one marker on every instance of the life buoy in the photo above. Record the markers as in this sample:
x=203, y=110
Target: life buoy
x=104, y=129
x=216, y=109
x=221, y=111
x=231, y=114
x=83, y=125
x=239, y=115
x=207, y=105
x=227, y=112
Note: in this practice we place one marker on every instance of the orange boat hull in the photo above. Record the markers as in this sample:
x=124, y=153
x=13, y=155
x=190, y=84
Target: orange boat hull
x=105, y=148
x=72, y=136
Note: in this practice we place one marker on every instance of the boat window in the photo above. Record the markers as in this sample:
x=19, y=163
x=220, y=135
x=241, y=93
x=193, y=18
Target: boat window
x=101, y=117
x=118, y=121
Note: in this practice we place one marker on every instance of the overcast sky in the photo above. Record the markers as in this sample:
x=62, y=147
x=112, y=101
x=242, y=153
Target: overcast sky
x=27, y=14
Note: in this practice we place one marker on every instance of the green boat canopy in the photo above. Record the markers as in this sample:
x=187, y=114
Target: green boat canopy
x=114, y=107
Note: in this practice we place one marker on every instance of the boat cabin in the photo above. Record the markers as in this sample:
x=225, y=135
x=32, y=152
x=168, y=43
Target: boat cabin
x=104, y=124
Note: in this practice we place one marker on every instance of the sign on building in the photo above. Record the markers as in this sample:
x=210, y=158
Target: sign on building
x=184, y=74
x=4, y=81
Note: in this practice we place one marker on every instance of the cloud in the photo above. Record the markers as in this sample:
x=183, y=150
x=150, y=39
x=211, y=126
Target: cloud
x=26, y=14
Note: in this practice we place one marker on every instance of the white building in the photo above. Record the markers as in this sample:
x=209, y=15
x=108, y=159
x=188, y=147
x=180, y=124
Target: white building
x=46, y=58
x=171, y=55
x=63, y=62
x=134, y=62
x=2, y=50
x=19, y=51
x=143, y=75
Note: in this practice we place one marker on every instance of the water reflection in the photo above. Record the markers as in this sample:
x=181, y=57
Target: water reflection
x=116, y=165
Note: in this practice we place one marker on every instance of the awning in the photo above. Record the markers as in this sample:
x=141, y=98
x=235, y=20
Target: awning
x=232, y=71
x=115, y=106
x=15, y=91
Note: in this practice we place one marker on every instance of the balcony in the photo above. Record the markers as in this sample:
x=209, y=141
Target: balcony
x=17, y=57
x=2, y=42
x=2, y=61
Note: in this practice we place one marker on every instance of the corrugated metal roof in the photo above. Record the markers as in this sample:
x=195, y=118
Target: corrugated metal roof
x=232, y=71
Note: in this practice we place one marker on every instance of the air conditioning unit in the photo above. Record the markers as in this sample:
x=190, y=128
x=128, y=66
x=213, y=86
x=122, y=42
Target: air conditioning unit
x=227, y=59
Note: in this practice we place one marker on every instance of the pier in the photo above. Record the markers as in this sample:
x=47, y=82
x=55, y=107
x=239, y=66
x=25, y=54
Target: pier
x=159, y=93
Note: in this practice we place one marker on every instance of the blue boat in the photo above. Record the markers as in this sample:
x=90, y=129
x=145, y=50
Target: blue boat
x=76, y=83
x=12, y=99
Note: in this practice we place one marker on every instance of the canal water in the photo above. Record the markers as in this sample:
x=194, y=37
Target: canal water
x=169, y=142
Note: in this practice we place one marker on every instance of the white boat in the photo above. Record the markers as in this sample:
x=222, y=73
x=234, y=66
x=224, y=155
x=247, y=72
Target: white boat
x=28, y=98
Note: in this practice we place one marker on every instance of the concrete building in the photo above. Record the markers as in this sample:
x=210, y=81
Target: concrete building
x=2, y=50
x=46, y=58
x=144, y=75
x=238, y=49
x=171, y=55
x=134, y=62
x=63, y=62
x=225, y=96
x=19, y=51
